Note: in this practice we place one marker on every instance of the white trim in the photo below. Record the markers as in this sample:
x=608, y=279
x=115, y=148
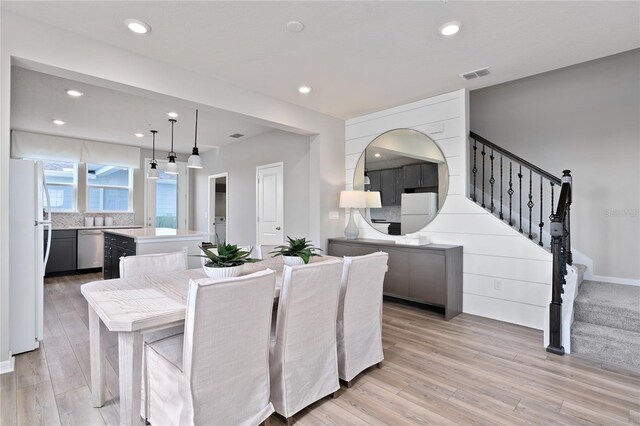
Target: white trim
x=8, y=365
x=616, y=280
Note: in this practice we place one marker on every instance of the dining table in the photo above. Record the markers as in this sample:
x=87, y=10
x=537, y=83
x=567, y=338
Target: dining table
x=137, y=305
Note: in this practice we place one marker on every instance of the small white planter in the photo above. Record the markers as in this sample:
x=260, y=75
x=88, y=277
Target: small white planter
x=230, y=272
x=293, y=260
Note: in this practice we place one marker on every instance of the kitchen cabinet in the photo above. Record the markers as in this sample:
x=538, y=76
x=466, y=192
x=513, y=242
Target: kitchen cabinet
x=63, y=253
x=115, y=246
x=391, y=187
x=374, y=178
x=429, y=274
x=422, y=175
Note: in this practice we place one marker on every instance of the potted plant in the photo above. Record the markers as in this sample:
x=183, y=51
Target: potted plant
x=227, y=262
x=297, y=252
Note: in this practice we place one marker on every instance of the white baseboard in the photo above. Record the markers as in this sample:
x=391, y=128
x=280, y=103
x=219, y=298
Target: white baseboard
x=616, y=280
x=8, y=365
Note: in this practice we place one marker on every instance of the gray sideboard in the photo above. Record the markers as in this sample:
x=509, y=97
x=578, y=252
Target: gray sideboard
x=430, y=274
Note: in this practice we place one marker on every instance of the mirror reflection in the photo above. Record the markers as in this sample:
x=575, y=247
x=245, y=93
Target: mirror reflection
x=410, y=172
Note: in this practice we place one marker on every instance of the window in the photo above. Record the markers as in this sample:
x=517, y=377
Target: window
x=60, y=177
x=108, y=188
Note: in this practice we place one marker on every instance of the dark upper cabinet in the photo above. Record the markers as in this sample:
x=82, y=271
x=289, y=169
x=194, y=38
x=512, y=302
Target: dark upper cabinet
x=420, y=175
x=374, y=178
x=429, y=174
x=412, y=176
x=392, y=186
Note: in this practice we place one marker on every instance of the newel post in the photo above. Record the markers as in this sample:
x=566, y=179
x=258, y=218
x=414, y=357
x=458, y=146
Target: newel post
x=555, y=307
x=566, y=178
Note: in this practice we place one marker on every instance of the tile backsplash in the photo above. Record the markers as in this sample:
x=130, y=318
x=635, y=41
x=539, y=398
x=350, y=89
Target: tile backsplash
x=390, y=213
x=69, y=220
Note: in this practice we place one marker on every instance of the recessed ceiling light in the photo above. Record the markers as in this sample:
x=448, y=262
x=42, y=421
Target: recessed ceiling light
x=304, y=89
x=139, y=135
x=295, y=26
x=137, y=26
x=58, y=122
x=172, y=114
x=377, y=155
x=74, y=93
x=450, y=28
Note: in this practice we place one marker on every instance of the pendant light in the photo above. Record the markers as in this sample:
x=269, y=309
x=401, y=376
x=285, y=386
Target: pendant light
x=153, y=164
x=195, y=162
x=172, y=167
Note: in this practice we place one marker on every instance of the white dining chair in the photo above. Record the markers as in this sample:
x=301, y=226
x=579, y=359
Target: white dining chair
x=131, y=266
x=359, y=325
x=263, y=250
x=217, y=371
x=303, y=358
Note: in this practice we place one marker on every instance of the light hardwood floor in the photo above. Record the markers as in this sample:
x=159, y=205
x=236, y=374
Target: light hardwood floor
x=469, y=370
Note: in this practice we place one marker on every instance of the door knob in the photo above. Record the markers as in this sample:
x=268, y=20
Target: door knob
x=277, y=228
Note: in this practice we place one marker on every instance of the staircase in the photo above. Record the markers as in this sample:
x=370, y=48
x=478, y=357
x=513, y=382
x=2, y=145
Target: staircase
x=606, y=323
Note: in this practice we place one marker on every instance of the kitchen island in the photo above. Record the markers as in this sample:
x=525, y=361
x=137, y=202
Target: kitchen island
x=131, y=242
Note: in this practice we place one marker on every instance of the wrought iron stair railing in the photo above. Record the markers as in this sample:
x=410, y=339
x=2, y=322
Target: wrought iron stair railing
x=558, y=227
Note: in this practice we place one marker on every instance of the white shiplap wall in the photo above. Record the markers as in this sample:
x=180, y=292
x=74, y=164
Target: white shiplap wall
x=492, y=249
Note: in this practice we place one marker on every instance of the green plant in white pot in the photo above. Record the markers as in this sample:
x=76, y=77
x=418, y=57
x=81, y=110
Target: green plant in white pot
x=226, y=261
x=297, y=252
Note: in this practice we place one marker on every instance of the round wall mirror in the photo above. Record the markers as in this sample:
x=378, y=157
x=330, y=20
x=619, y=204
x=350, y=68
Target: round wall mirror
x=409, y=171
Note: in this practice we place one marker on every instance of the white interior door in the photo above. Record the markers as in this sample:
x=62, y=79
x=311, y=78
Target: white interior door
x=166, y=198
x=270, y=204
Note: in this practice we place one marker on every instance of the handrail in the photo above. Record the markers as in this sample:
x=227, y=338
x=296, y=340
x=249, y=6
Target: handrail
x=515, y=158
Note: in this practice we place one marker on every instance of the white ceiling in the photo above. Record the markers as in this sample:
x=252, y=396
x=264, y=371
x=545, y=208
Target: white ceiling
x=357, y=56
x=113, y=116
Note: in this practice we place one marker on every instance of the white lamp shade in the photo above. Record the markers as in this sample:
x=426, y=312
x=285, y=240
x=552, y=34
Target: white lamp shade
x=171, y=168
x=373, y=199
x=352, y=199
x=194, y=162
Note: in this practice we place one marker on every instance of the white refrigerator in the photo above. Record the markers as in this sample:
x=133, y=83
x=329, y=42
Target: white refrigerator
x=417, y=210
x=28, y=218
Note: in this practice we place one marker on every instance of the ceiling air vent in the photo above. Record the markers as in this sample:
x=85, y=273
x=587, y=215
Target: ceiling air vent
x=474, y=74
x=236, y=135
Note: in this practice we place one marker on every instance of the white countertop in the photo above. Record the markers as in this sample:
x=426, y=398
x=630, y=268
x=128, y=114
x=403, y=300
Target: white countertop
x=148, y=234
x=97, y=227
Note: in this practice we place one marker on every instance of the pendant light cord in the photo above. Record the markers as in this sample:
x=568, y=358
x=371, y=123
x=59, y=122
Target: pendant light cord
x=195, y=141
x=153, y=147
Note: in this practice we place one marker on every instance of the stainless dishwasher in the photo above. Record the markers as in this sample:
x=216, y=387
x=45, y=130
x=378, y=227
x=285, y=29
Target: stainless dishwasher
x=90, y=248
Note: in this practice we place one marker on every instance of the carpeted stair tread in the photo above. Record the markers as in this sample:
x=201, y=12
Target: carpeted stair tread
x=610, y=305
x=608, y=344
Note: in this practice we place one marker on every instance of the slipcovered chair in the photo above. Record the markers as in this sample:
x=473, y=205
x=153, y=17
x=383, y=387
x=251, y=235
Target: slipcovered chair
x=131, y=266
x=217, y=371
x=303, y=358
x=263, y=251
x=359, y=326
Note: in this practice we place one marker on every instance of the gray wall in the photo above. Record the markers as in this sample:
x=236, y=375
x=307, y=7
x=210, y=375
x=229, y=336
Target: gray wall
x=584, y=118
x=240, y=160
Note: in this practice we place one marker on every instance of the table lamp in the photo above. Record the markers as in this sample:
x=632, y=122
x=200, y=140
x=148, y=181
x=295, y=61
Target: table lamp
x=349, y=200
x=372, y=198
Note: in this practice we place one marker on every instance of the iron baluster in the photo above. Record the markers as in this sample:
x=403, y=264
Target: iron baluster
x=541, y=224
x=530, y=203
x=551, y=215
x=501, y=216
x=474, y=170
x=483, y=155
x=520, y=196
x=510, y=192
x=566, y=177
x=492, y=181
